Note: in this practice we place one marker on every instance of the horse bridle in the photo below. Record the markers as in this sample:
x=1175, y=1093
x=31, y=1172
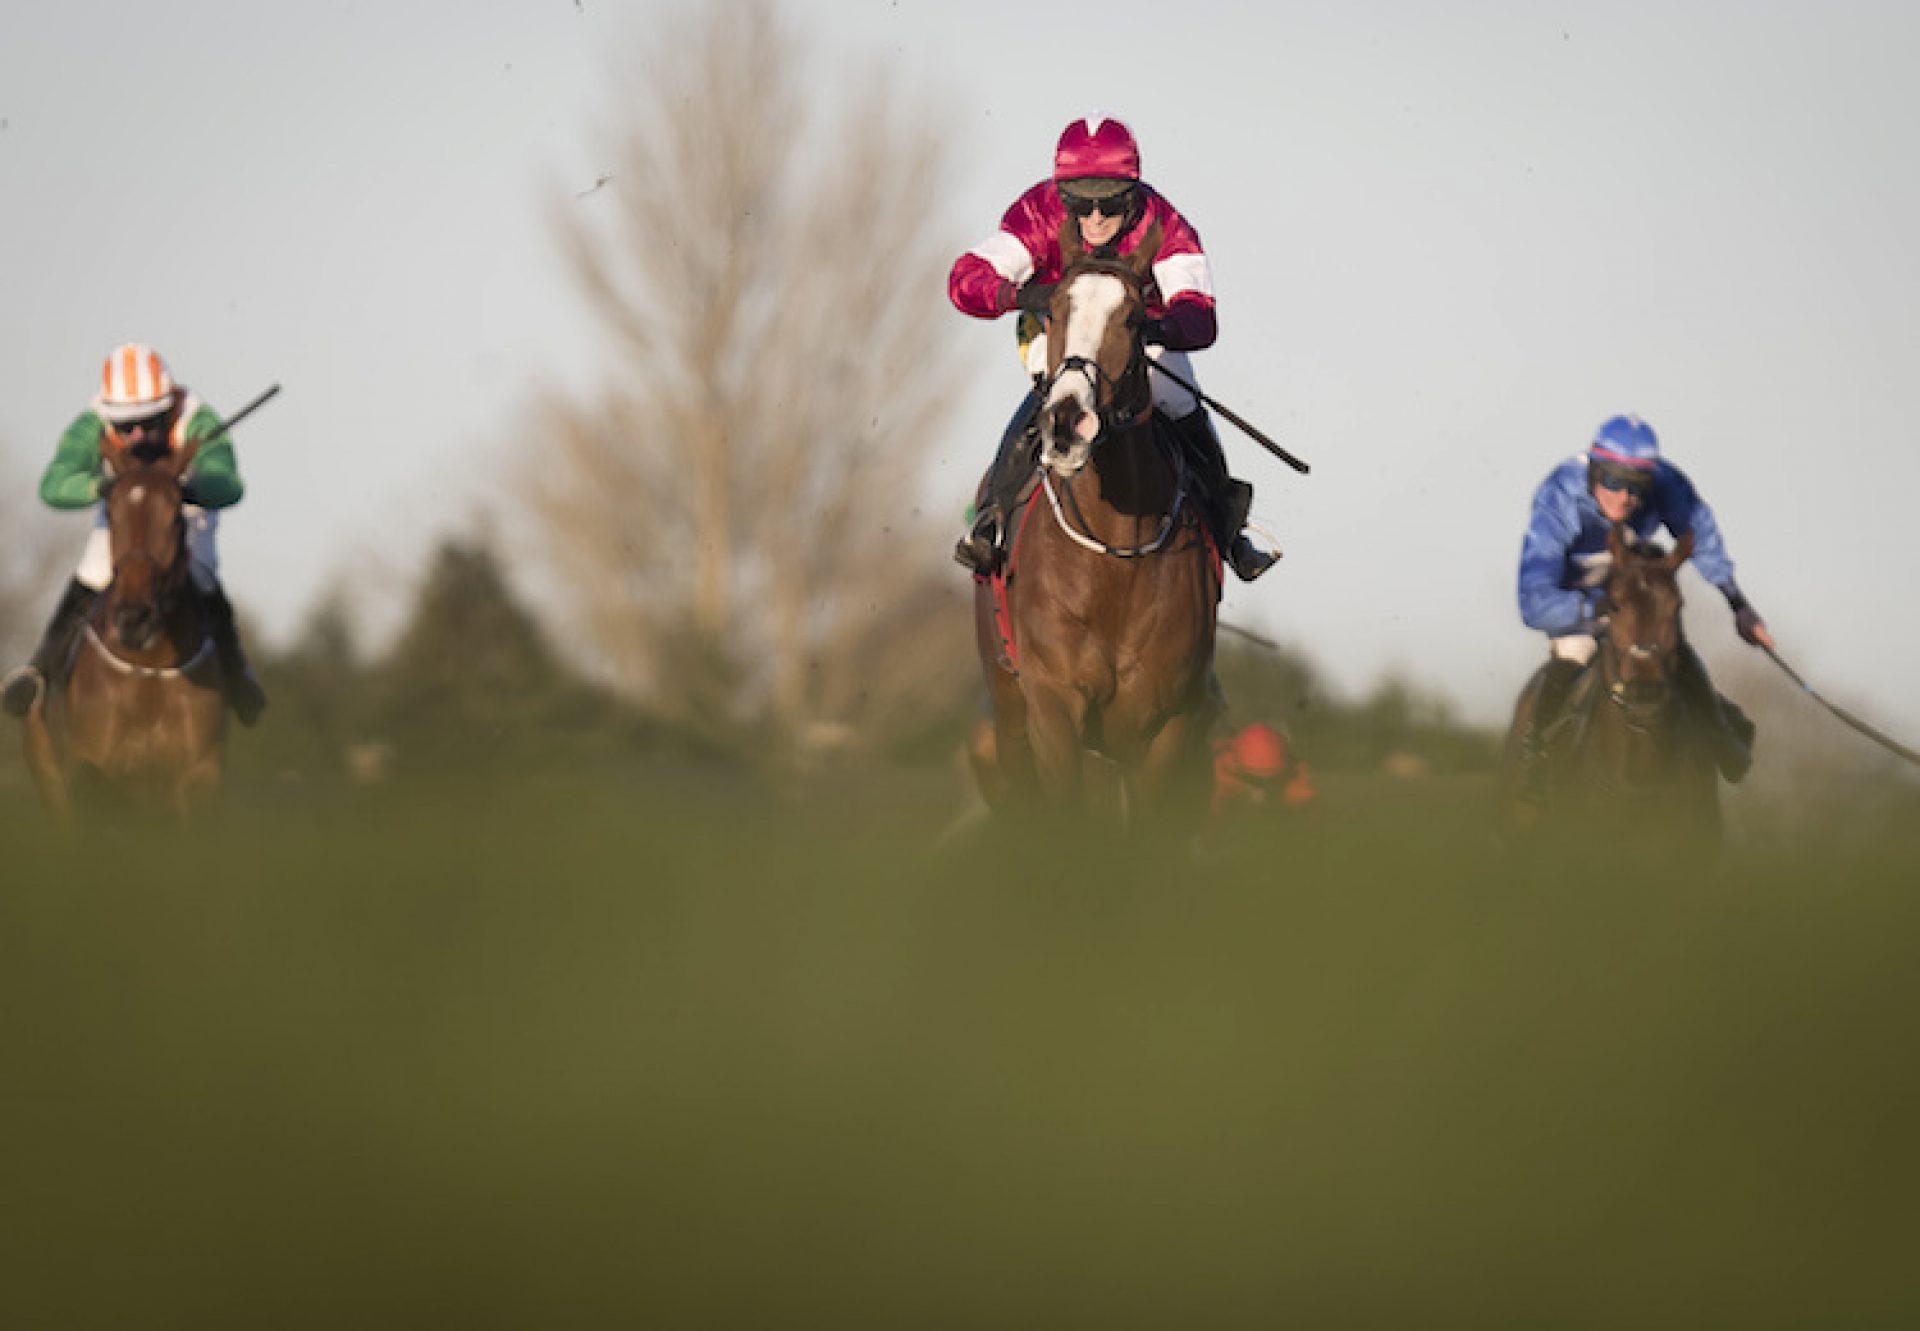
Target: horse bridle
x=1124, y=407
x=1116, y=412
x=1643, y=704
x=167, y=577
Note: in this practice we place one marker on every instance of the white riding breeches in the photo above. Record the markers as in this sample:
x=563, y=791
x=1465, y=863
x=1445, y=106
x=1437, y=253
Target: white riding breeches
x=1576, y=647
x=1174, y=401
x=96, y=561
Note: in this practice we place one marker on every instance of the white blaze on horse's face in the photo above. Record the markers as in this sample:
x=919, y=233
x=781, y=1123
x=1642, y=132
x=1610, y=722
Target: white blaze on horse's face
x=1067, y=436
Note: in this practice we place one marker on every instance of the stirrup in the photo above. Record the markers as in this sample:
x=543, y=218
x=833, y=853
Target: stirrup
x=979, y=549
x=21, y=689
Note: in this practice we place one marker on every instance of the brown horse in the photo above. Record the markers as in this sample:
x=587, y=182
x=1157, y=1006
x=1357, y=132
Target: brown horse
x=1111, y=584
x=1629, y=751
x=140, y=711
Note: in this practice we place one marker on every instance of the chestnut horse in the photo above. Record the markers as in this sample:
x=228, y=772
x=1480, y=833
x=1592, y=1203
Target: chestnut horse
x=141, y=710
x=1629, y=751
x=1111, y=584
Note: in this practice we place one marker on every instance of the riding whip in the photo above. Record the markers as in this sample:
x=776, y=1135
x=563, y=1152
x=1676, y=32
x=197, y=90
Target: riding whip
x=1245, y=428
x=1257, y=639
x=1842, y=712
x=243, y=413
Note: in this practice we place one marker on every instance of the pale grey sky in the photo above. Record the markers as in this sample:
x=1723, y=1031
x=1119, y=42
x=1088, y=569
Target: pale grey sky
x=1449, y=240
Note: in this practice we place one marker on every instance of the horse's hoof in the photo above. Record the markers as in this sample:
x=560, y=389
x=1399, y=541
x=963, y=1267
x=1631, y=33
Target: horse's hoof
x=1734, y=760
x=20, y=690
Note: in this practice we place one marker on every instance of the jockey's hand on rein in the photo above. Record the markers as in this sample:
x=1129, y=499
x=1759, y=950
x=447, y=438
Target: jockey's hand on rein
x=1153, y=332
x=1749, y=625
x=1035, y=298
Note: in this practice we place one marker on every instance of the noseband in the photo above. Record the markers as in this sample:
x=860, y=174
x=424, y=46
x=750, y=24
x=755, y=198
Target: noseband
x=1121, y=407
x=1643, y=704
x=1129, y=399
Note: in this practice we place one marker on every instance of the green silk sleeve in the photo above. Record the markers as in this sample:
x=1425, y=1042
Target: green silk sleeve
x=214, y=479
x=72, y=479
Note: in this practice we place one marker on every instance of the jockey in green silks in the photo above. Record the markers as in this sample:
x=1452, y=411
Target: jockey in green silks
x=140, y=407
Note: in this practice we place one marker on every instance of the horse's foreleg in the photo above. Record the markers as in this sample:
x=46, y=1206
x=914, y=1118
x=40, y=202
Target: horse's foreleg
x=1170, y=784
x=37, y=742
x=1001, y=756
x=1056, y=720
x=197, y=788
x=983, y=760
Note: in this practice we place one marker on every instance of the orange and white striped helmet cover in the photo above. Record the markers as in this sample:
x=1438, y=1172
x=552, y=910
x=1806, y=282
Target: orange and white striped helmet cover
x=134, y=383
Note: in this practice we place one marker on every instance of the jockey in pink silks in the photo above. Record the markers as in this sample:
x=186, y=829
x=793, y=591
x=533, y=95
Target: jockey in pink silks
x=1096, y=181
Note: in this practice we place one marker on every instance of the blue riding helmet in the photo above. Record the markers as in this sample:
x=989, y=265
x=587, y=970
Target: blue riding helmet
x=1627, y=440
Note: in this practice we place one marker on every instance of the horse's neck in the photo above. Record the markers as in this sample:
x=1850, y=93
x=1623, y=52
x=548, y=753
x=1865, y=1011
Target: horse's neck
x=1634, y=754
x=183, y=628
x=1129, y=477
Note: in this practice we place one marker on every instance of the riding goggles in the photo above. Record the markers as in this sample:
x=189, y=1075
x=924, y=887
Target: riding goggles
x=1117, y=204
x=148, y=424
x=1613, y=476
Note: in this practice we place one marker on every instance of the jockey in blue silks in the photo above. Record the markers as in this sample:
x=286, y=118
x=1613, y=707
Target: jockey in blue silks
x=1564, y=564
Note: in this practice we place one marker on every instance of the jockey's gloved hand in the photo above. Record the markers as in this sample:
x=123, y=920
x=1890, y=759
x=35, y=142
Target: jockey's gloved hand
x=1036, y=298
x=1749, y=625
x=1153, y=332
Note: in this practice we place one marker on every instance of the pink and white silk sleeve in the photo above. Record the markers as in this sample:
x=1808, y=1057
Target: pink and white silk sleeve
x=984, y=278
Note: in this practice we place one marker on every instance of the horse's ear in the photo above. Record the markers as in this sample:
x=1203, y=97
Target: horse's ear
x=1682, y=551
x=113, y=452
x=1141, y=260
x=1617, y=544
x=1070, y=251
x=181, y=458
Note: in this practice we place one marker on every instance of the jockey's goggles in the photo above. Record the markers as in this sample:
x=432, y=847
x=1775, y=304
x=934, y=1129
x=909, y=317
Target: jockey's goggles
x=126, y=429
x=1080, y=203
x=1613, y=476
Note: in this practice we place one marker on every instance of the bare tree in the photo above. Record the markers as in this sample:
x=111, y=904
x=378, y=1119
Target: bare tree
x=735, y=516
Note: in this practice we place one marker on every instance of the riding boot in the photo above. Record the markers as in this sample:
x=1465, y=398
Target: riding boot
x=1728, y=730
x=984, y=545
x=21, y=689
x=242, y=688
x=1556, y=685
x=1224, y=500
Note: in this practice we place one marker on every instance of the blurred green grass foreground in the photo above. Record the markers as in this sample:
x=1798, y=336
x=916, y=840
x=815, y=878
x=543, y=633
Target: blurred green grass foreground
x=670, y=1052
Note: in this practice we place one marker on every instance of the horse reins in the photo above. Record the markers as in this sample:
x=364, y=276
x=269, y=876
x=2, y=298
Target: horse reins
x=126, y=667
x=1086, y=542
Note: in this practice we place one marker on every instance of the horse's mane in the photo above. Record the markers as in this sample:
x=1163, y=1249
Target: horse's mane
x=1132, y=267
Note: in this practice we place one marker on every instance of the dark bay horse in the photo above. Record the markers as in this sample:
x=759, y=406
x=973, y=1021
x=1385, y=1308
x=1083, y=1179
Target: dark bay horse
x=1111, y=584
x=1629, y=756
x=141, y=710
